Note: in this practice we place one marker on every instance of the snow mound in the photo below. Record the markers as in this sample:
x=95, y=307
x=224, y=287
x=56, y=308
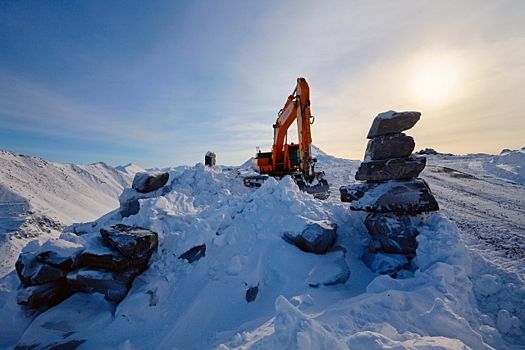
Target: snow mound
x=509, y=164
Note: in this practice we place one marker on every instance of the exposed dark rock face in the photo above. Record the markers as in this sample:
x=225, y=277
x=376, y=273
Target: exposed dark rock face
x=251, y=293
x=45, y=295
x=317, y=237
x=390, y=169
x=146, y=182
x=135, y=243
x=389, y=146
x=113, y=284
x=194, y=253
x=392, y=122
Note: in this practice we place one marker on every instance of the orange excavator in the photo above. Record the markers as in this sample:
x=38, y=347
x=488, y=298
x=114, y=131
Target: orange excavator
x=292, y=159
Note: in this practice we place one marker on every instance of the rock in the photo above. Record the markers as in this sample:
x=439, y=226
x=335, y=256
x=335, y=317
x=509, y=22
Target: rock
x=136, y=243
x=209, y=159
x=391, y=169
x=404, y=197
x=45, y=295
x=396, y=233
x=389, y=146
x=316, y=237
x=100, y=256
x=129, y=200
x=113, y=284
x=146, y=182
x=354, y=192
x=386, y=264
x=32, y=272
x=251, y=293
x=60, y=253
x=194, y=253
x=331, y=270
x=392, y=122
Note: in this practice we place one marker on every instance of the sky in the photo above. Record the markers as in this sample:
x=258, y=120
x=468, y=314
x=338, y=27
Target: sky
x=160, y=83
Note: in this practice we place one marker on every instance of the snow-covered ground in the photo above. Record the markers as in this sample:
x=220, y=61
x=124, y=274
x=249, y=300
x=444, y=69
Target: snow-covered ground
x=467, y=291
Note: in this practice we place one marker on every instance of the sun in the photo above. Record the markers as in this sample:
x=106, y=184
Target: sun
x=434, y=81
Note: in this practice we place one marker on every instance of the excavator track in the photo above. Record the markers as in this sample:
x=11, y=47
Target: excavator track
x=319, y=188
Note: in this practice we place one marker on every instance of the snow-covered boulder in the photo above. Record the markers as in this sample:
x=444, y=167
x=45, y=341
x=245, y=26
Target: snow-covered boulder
x=396, y=233
x=392, y=122
x=404, y=197
x=148, y=182
x=389, y=146
x=316, y=237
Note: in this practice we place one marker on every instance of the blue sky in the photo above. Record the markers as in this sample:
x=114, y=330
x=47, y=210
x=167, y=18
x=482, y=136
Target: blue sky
x=159, y=83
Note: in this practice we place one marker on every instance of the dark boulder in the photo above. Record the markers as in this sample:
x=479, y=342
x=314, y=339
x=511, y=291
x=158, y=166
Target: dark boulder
x=194, y=253
x=354, y=192
x=209, y=158
x=44, y=295
x=391, y=169
x=146, y=182
x=404, y=197
x=100, y=256
x=396, y=233
x=113, y=284
x=136, y=243
x=389, y=146
x=392, y=122
x=251, y=293
x=316, y=237
x=32, y=272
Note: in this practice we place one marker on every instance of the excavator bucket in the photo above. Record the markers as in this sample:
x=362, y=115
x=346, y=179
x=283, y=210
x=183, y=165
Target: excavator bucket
x=319, y=187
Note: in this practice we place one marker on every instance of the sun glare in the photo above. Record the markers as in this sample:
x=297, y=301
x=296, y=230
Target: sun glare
x=434, y=81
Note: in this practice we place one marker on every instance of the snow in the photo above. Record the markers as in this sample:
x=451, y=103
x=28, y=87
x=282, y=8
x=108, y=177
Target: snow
x=465, y=288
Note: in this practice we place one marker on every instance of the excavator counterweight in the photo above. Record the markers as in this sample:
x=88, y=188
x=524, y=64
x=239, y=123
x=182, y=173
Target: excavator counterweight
x=292, y=159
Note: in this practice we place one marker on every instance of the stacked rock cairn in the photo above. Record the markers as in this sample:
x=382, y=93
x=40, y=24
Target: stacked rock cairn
x=389, y=189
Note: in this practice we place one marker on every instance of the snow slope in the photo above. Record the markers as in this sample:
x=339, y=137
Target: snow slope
x=40, y=198
x=466, y=290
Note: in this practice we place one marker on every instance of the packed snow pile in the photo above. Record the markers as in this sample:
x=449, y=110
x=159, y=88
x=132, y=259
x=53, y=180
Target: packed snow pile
x=225, y=275
x=509, y=164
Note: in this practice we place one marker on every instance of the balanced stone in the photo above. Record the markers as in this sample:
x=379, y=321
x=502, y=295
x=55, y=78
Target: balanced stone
x=392, y=122
x=410, y=197
x=145, y=182
x=391, y=169
x=396, y=233
x=389, y=146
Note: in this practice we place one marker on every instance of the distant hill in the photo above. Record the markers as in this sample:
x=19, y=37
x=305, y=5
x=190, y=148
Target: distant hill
x=39, y=198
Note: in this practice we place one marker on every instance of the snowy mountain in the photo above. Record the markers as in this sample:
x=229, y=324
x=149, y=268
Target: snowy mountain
x=40, y=198
x=252, y=289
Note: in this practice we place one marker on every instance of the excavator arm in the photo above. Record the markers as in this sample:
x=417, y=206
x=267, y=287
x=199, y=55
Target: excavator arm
x=296, y=108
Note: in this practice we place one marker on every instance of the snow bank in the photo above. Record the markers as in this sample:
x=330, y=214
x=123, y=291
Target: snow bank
x=252, y=289
x=509, y=164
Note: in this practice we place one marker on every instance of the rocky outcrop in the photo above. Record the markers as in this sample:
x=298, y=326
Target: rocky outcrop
x=105, y=264
x=389, y=190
